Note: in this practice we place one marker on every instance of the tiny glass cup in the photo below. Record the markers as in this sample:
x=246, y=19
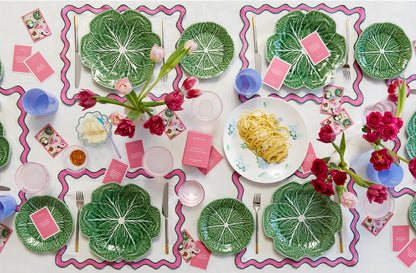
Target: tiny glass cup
x=157, y=161
x=247, y=82
x=207, y=107
x=191, y=193
x=376, y=210
x=31, y=177
x=38, y=102
x=75, y=158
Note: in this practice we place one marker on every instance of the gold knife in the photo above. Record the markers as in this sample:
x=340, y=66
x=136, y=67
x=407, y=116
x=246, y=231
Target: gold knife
x=165, y=212
x=77, y=55
x=257, y=57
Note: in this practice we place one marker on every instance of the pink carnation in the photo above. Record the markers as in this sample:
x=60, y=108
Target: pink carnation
x=348, y=200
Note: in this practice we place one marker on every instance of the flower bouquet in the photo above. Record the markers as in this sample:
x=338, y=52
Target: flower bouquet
x=379, y=128
x=135, y=103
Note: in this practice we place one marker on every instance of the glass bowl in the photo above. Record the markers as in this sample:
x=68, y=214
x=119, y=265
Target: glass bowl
x=75, y=158
x=90, y=130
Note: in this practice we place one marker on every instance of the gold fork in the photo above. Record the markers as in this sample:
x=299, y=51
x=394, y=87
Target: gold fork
x=256, y=206
x=79, y=196
x=346, y=66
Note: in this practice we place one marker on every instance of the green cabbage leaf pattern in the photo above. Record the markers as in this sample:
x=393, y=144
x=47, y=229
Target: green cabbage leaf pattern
x=118, y=46
x=286, y=45
x=302, y=221
x=120, y=222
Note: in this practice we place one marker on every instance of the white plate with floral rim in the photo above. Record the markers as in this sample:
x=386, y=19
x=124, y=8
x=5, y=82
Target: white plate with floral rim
x=253, y=167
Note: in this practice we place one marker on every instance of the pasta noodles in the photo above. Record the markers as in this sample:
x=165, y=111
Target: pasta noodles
x=263, y=134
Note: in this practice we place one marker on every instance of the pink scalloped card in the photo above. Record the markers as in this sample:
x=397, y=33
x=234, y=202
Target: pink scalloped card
x=21, y=53
x=408, y=254
x=315, y=48
x=36, y=25
x=340, y=122
x=115, y=172
x=44, y=223
x=174, y=125
x=5, y=233
x=332, y=99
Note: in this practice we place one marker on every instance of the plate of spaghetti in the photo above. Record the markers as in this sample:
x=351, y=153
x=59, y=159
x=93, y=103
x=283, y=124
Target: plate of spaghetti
x=265, y=140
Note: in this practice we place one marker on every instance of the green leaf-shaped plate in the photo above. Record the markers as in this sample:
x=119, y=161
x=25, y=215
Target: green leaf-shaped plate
x=412, y=212
x=383, y=51
x=411, y=131
x=120, y=222
x=225, y=226
x=285, y=44
x=4, y=151
x=28, y=233
x=302, y=221
x=214, y=53
x=118, y=46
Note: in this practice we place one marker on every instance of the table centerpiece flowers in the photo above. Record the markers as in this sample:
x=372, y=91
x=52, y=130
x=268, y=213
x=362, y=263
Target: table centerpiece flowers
x=135, y=104
x=378, y=129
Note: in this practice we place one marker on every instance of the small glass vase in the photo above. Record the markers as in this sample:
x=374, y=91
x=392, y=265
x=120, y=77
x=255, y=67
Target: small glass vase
x=389, y=178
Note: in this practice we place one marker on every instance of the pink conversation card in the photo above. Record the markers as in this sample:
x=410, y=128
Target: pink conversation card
x=276, y=73
x=115, y=172
x=214, y=158
x=135, y=152
x=20, y=54
x=315, y=47
x=202, y=258
x=197, y=149
x=408, y=254
x=400, y=236
x=44, y=223
x=39, y=66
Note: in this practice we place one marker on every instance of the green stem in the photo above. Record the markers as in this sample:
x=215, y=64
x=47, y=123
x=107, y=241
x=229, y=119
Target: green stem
x=153, y=103
x=341, y=156
x=140, y=97
x=361, y=182
x=116, y=102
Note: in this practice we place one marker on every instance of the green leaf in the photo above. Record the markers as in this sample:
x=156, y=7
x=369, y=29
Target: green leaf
x=326, y=159
x=333, y=165
x=342, y=146
x=402, y=97
x=133, y=114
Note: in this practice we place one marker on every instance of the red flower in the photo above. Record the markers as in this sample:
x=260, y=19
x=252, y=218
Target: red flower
x=374, y=120
x=174, y=100
x=371, y=136
x=388, y=132
x=393, y=90
x=156, y=125
x=412, y=167
x=339, y=177
x=377, y=193
x=381, y=160
x=86, y=98
x=326, y=134
x=388, y=118
x=187, y=88
x=321, y=187
x=125, y=127
x=319, y=168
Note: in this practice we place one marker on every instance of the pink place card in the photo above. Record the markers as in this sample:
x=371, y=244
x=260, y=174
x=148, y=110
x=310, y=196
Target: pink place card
x=276, y=73
x=36, y=25
x=309, y=158
x=202, y=258
x=135, y=152
x=187, y=248
x=332, y=99
x=408, y=254
x=340, y=122
x=44, y=223
x=115, y=172
x=400, y=237
x=315, y=47
x=39, y=66
x=20, y=54
x=214, y=158
x=375, y=226
x=197, y=149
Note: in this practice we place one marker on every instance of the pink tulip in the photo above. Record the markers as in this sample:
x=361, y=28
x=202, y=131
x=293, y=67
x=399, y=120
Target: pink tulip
x=86, y=98
x=191, y=45
x=116, y=117
x=393, y=90
x=156, y=125
x=123, y=86
x=327, y=134
x=377, y=193
x=174, y=100
x=125, y=127
x=157, y=53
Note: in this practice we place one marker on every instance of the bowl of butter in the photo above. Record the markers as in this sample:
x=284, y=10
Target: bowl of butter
x=90, y=130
